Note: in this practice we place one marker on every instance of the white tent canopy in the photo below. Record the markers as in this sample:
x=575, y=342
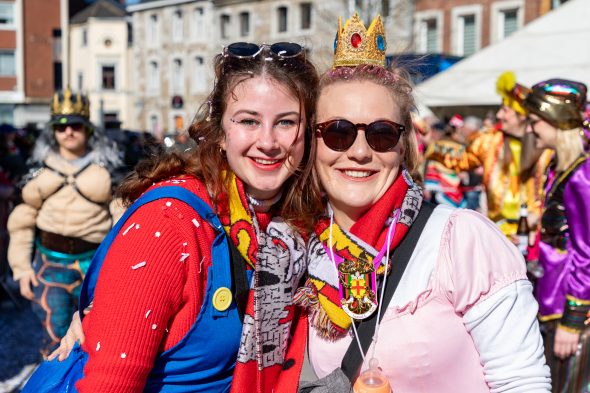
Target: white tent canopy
x=556, y=45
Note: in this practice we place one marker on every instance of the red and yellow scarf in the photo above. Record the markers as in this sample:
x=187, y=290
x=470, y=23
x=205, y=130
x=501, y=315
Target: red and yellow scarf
x=321, y=293
x=274, y=331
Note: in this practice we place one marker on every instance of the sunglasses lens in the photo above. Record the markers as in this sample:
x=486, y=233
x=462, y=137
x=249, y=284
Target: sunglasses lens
x=382, y=136
x=286, y=49
x=339, y=135
x=243, y=49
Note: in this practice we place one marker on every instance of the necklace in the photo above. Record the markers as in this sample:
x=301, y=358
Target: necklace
x=372, y=379
x=357, y=279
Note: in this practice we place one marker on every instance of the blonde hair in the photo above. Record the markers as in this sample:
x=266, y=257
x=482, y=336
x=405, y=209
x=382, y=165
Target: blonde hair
x=568, y=147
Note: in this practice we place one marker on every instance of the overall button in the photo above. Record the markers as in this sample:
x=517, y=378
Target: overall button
x=222, y=299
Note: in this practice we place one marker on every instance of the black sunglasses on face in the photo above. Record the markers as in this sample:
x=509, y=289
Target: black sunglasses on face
x=381, y=135
x=63, y=127
x=242, y=50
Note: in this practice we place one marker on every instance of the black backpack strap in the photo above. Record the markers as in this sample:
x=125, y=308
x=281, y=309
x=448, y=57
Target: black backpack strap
x=239, y=278
x=351, y=364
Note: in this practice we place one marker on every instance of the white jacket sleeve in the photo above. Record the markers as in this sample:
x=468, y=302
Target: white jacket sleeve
x=506, y=334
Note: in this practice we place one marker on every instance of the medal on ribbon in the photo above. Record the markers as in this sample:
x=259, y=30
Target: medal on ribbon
x=357, y=288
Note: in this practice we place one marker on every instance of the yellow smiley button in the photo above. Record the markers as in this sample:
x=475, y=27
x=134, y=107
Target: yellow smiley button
x=222, y=299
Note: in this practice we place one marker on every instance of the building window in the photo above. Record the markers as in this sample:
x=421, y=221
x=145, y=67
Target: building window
x=6, y=15
x=56, y=54
x=177, y=26
x=305, y=16
x=154, y=125
x=282, y=14
x=178, y=123
x=177, y=77
x=108, y=77
x=56, y=45
x=385, y=8
x=84, y=40
x=510, y=22
x=244, y=24
x=7, y=63
x=154, y=76
x=430, y=35
x=153, y=30
x=469, y=35
x=557, y=3
x=199, y=75
x=6, y=114
x=80, y=81
x=198, y=23
x=506, y=17
x=224, y=22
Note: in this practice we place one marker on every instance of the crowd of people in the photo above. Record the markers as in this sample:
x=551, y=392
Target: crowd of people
x=316, y=214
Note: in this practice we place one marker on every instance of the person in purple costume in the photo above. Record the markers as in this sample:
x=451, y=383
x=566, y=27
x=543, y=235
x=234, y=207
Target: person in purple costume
x=556, y=119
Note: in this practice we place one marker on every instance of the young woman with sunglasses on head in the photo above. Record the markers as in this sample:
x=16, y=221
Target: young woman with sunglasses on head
x=463, y=317
x=164, y=316
x=65, y=213
x=555, y=119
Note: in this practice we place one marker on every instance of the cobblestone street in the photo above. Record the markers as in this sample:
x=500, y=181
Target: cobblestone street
x=20, y=333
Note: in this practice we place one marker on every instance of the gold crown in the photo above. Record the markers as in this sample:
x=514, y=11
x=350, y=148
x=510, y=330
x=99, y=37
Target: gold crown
x=65, y=103
x=356, y=45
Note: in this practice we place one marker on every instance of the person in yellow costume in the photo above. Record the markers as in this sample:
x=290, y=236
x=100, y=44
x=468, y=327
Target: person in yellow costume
x=513, y=169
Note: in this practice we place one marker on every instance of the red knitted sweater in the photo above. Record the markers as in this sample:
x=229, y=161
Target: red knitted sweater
x=149, y=292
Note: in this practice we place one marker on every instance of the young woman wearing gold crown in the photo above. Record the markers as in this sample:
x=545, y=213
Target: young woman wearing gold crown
x=463, y=317
x=65, y=213
x=513, y=170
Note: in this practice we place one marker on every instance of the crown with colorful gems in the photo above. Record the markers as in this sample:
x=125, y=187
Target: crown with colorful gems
x=355, y=44
x=66, y=103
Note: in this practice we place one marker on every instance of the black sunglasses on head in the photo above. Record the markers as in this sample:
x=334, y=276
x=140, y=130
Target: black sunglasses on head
x=244, y=50
x=340, y=134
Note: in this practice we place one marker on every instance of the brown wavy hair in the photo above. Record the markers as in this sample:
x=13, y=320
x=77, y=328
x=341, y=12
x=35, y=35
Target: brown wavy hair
x=207, y=163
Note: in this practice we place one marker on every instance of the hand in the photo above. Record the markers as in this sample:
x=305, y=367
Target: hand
x=565, y=343
x=74, y=333
x=514, y=239
x=25, y=285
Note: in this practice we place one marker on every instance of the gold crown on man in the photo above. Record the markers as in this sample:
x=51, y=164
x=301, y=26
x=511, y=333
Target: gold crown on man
x=355, y=45
x=68, y=104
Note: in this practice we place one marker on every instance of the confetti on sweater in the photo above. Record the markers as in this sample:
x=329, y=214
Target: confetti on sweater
x=183, y=256
x=97, y=346
x=195, y=222
x=140, y=264
x=123, y=355
x=168, y=203
x=157, y=234
x=154, y=326
x=147, y=314
x=185, y=244
x=128, y=229
x=137, y=226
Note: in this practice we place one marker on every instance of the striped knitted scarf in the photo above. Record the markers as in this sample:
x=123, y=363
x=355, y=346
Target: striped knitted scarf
x=274, y=331
x=321, y=294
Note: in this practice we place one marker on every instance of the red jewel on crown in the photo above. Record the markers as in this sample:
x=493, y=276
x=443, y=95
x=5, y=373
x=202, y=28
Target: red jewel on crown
x=356, y=40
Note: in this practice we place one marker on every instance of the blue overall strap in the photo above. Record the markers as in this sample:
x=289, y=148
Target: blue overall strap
x=221, y=271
